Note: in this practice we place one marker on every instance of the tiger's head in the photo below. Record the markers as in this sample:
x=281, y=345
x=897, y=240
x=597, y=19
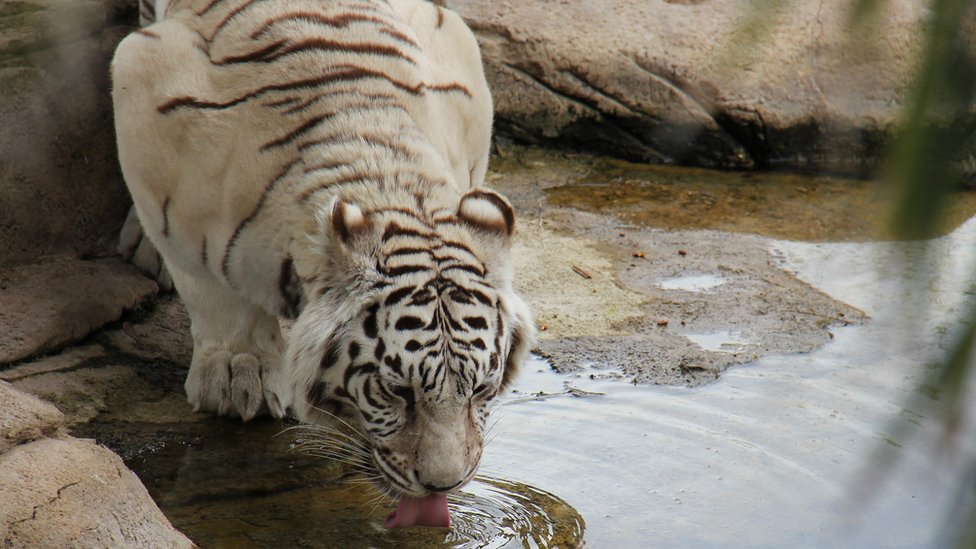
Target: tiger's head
x=410, y=335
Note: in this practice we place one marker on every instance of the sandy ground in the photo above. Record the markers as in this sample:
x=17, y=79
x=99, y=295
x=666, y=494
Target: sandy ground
x=656, y=305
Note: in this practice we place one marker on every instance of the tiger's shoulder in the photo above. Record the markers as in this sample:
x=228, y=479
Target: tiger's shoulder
x=213, y=80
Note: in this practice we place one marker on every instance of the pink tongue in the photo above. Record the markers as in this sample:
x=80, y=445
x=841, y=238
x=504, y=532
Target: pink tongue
x=426, y=511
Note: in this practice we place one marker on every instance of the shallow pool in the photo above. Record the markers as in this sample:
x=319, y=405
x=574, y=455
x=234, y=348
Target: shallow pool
x=790, y=451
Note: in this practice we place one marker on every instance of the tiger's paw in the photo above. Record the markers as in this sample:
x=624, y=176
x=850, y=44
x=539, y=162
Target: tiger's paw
x=235, y=384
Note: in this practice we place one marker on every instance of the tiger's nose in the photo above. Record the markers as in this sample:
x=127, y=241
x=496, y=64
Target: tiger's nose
x=441, y=489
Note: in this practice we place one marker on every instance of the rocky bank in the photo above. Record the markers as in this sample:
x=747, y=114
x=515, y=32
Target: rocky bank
x=720, y=83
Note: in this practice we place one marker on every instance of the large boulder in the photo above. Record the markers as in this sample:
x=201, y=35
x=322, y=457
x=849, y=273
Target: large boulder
x=75, y=493
x=705, y=82
x=66, y=492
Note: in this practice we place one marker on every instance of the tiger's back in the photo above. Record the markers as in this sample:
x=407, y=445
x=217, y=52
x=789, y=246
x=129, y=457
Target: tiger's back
x=226, y=104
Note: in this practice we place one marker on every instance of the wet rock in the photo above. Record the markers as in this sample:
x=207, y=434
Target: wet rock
x=699, y=82
x=25, y=417
x=75, y=493
x=47, y=304
x=61, y=190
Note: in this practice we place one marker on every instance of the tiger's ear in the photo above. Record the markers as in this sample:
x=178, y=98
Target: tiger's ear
x=487, y=212
x=348, y=222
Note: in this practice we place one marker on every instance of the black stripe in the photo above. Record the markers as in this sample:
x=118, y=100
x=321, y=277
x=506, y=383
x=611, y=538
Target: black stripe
x=408, y=251
x=364, y=7
x=340, y=21
x=398, y=295
x=380, y=350
x=371, y=101
x=327, y=166
x=476, y=322
x=400, y=37
x=367, y=393
x=423, y=298
x=485, y=300
x=353, y=350
x=225, y=262
x=386, y=392
x=348, y=73
x=357, y=370
x=267, y=52
x=370, y=326
x=461, y=296
x=203, y=251
x=297, y=132
x=455, y=245
x=464, y=267
x=342, y=393
x=315, y=393
x=330, y=357
x=409, y=323
x=352, y=179
x=234, y=13
x=282, y=48
x=395, y=363
x=290, y=287
x=209, y=7
x=454, y=324
x=283, y=102
x=395, y=229
x=166, y=204
x=435, y=321
x=406, y=269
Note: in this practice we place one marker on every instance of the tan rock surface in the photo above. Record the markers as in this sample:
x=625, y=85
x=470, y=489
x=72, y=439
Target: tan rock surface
x=24, y=417
x=711, y=82
x=57, y=300
x=75, y=493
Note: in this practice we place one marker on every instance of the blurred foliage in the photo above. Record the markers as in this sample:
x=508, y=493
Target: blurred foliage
x=925, y=166
x=930, y=157
x=928, y=152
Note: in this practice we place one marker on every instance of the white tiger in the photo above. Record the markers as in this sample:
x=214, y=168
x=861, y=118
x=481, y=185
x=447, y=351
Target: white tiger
x=322, y=161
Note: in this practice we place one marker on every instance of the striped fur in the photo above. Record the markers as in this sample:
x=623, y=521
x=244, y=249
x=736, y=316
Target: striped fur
x=322, y=161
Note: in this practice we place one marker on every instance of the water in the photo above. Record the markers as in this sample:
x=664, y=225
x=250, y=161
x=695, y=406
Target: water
x=783, y=452
x=780, y=453
x=700, y=282
x=235, y=485
x=779, y=205
x=721, y=341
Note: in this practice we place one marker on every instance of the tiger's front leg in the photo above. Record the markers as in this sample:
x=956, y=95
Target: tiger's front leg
x=237, y=347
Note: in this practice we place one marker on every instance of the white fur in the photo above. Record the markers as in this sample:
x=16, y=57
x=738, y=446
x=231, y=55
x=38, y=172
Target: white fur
x=194, y=176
